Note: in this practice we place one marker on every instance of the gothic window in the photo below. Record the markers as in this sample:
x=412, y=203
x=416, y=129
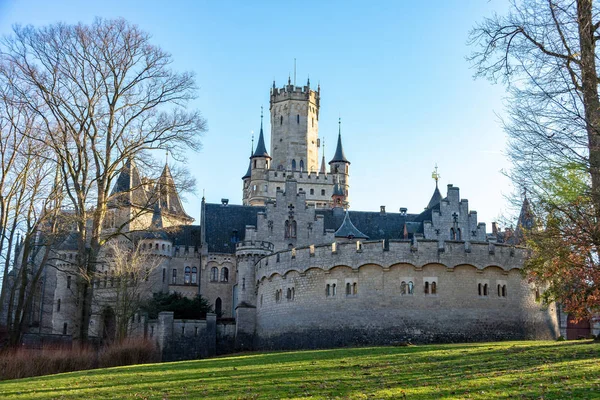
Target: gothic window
x=287, y=229
x=187, y=276
x=411, y=287
x=452, y=234
x=214, y=274
x=403, y=288
x=194, y=275
x=174, y=277
x=293, y=165
x=301, y=165
x=224, y=274
x=458, y=235
x=433, y=288
x=58, y=306
x=293, y=229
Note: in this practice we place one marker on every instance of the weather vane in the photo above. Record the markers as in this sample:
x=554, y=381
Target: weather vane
x=435, y=175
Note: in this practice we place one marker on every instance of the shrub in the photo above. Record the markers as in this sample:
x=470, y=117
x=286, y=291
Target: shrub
x=183, y=307
x=23, y=363
x=128, y=352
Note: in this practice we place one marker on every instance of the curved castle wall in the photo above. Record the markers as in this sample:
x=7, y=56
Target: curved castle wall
x=296, y=309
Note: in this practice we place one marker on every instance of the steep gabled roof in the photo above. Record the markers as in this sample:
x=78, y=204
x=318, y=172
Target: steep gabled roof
x=339, y=155
x=348, y=230
x=166, y=196
x=128, y=189
x=436, y=198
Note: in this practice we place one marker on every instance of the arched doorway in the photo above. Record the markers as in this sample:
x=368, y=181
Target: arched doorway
x=218, y=306
x=578, y=330
x=109, y=324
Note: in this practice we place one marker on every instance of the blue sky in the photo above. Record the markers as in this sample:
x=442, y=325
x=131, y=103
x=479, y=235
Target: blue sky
x=394, y=71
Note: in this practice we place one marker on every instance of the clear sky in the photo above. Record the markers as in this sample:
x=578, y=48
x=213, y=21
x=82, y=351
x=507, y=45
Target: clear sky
x=394, y=71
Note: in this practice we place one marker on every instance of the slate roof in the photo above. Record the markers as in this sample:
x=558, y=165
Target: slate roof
x=186, y=235
x=436, y=198
x=129, y=184
x=348, y=230
x=221, y=222
x=168, y=199
x=261, y=150
x=375, y=225
x=249, y=172
x=339, y=155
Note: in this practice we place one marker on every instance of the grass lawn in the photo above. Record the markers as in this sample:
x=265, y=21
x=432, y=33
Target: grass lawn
x=516, y=370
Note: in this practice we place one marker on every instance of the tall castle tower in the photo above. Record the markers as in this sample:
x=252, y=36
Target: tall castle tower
x=295, y=154
x=295, y=128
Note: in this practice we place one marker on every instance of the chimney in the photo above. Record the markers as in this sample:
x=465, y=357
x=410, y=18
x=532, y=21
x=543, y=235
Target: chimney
x=403, y=210
x=495, y=228
x=382, y=210
x=224, y=202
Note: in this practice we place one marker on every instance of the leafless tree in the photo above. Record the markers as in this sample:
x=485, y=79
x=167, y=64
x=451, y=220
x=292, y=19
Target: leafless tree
x=545, y=52
x=105, y=95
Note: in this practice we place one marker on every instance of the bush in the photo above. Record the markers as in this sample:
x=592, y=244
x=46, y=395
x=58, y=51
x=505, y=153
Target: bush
x=23, y=363
x=128, y=352
x=183, y=307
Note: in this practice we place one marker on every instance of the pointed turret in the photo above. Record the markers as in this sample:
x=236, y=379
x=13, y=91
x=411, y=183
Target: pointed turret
x=166, y=196
x=129, y=188
x=339, y=155
x=348, y=231
x=261, y=149
x=322, y=170
x=525, y=223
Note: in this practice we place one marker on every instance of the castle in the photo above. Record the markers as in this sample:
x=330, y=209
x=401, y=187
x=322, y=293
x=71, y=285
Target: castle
x=295, y=268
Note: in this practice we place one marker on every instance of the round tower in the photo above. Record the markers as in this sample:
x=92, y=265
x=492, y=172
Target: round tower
x=248, y=253
x=257, y=192
x=339, y=167
x=295, y=127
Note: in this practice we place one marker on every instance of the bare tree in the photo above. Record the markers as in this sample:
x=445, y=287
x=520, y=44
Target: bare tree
x=129, y=270
x=105, y=95
x=545, y=51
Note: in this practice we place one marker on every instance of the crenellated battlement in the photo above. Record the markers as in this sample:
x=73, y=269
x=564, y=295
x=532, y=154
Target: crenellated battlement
x=291, y=92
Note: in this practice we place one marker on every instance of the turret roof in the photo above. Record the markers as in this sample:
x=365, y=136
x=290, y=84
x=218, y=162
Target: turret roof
x=436, y=198
x=339, y=155
x=129, y=188
x=348, y=230
x=167, y=198
x=261, y=149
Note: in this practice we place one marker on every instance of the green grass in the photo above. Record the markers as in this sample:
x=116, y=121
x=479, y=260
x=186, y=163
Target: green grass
x=527, y=370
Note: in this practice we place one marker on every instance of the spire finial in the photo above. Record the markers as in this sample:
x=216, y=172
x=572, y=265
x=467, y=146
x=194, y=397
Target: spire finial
x=308, y=81
x=435, y=175
x=274, y=87
x=340, y=125
x=289, y=79
x=167, y=156
x=261, y=117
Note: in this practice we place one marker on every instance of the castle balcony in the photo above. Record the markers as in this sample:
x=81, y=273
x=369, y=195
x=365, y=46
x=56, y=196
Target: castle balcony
x=253, y=245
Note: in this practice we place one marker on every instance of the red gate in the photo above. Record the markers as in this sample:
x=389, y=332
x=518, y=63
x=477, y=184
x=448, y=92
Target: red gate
x=578, y=330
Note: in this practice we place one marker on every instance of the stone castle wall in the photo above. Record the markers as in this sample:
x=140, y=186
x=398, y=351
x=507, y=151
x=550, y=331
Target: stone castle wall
x=376, y=312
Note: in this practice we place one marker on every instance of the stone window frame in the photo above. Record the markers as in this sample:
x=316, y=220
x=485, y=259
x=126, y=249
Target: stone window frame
x=501, y=289
x=331, y=288
x=483, y=288
x=409, y=281
x=352, y=289
x=430, y=285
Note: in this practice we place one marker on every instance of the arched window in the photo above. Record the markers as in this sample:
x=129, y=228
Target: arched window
x=426, y=287
x=348, y=289
x=194, y=275
x=433, y=288
x=452, y=234
x=174, y=276
x=214, y=274
x=144, y=246
x=187, y=276
x=499, y=290
x=459, y=235
x=58, y=306
x=218, y=305
x=322, y=192
x=224, y=274
x=312, y=191
x=503, y=290
x=537, y=294
x=313, y=122
x=163, y=246
x=328, y=290
x=298, y=118
x=355, y=288
x=333, y=289
x=294, y=228
x=289, y=294
x=480, y=289
x=485, y=290
x=293, y=165
x=156, y=246
x=301, y=165
x=286, y=226
x=281, y=120
x=403, y=288
x=411, y=287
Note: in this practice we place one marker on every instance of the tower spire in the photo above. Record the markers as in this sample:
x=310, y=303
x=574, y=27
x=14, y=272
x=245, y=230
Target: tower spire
x=322, y=170
x=261, y=150
x=435, y=175
x=339, y=155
